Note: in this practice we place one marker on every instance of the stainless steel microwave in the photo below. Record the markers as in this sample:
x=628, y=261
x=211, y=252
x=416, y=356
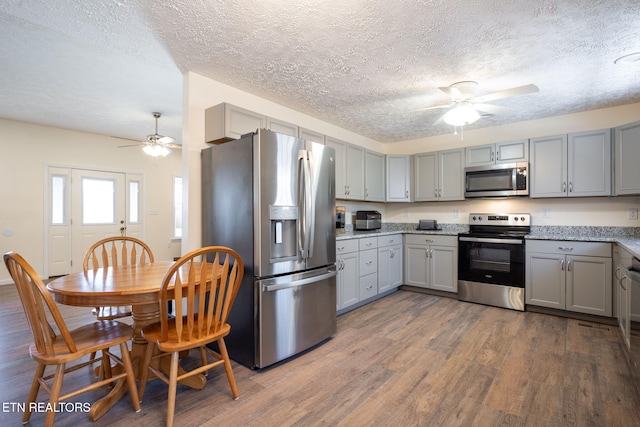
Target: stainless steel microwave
x=509, y=179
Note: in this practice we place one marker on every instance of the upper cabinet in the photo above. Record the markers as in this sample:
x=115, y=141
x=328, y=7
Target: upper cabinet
x=281, y=126
x=503, y=152
x=225, y=122
x=349, y=169
x=439, y=176
x=311, y=135
x=574, y=165
x=398, y=178
x=627, y=153
x=374, y=177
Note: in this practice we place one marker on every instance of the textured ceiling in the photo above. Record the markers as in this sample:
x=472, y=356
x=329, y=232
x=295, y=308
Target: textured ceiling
x=104, y=66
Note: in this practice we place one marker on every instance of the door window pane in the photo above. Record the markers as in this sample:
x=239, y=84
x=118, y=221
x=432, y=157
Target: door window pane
x=98, y=201
x=134, y=201
x=58, y=188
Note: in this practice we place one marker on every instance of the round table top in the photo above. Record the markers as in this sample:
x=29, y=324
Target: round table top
x=131, y=285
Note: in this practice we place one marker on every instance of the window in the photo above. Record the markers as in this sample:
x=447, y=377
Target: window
x=177, y=207
x=58, y=197
x=134, y=201
x=98, y=201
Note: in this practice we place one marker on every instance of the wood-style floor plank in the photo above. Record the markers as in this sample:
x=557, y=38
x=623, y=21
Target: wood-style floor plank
x=409, y=359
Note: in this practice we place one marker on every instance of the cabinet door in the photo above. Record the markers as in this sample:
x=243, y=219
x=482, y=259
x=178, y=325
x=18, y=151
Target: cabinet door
x=444, y=268
x=627, y=153
x=374, y=176
x=354, y=172
x=389, y=267
x=588, y=285
x=451, y=174
x=480, y=155
x=282, y=127
x=398, y=178
x=545, y=280
x=224, y=122
x=368, y=262
x=426, y=177
x=548, y=167
x=311, y=135
x=340, y=148
x=349, y=280
x=514, y=151
x=589, y=163
x=416, y=266
x=368, y=286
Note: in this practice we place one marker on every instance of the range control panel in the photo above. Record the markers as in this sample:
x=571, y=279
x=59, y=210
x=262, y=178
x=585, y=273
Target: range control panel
x=521, y=219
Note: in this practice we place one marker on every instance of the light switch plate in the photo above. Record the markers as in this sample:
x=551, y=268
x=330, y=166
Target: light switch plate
x=632, y=213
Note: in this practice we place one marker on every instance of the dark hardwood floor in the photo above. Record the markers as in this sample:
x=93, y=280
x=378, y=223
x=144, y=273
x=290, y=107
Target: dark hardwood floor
x=409, y=359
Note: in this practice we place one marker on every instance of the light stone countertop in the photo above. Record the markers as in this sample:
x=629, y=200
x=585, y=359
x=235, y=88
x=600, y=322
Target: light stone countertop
x=627, y=237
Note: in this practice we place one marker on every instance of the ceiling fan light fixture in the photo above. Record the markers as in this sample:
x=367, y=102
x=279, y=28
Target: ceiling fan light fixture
x=461, y=115
x=156, y=150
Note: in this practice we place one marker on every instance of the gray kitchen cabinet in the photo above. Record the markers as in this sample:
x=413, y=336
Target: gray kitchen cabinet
x=225, y=122
x=398, y=173
x=368, y=281
x=349, y=169
x=622, y=284
x=281, y=126
x=626, y=154
x=567, y=275
x=311, y=135
x=374, y=177
x=431, y=262
x=502, y=152
x=439, y=176
x=389, y=262
x=348, y=278
x=574, y=165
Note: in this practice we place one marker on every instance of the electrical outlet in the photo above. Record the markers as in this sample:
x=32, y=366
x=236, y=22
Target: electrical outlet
x=632, y=213
x=545, y=212
x=456, y=213
x=406, y=213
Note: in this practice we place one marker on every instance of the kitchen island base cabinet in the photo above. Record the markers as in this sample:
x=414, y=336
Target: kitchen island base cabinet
x=567, y=275
x=431, y=262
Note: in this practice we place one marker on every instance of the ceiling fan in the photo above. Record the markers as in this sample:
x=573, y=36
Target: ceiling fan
x=465, y=105
x=156, y=145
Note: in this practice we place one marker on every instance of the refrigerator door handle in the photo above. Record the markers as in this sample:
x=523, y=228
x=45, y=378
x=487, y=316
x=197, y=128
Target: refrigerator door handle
x=305, y=200
x=306, y=281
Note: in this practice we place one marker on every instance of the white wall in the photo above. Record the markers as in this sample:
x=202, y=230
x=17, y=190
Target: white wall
x=27, y=149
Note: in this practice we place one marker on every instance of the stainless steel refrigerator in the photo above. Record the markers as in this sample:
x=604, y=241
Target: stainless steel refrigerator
x=271, y=197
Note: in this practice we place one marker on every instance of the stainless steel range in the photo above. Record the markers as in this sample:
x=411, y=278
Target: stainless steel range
x=491, y=259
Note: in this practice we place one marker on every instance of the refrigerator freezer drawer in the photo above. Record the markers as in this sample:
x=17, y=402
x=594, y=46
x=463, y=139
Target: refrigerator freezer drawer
x=295, y=313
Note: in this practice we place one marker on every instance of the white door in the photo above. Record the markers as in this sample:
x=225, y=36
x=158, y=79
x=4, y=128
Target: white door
x=98, y=201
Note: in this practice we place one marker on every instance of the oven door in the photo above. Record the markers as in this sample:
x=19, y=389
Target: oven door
x=498, y=261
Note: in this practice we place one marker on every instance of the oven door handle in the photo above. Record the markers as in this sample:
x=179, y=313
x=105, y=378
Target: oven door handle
x=489, y=240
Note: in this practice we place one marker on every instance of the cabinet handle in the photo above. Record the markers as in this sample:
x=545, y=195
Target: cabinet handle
x=570, y=187
x=562, y=264
x=366, y=192
x=440, y=193
x=369, y=287
x=497, y=156
x=622, y=285
x=341, y=248
x=391, y=253
x=436, y=192
x=569, y=265
x=368, y=244
x=429, y=240
x=617, y=273
x=564, y=187
x=492, y=154
x=565, y=248
x=369, y=263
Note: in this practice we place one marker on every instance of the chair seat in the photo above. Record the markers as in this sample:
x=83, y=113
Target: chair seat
x=153, y=333
x=112, y=313
x=88, y=339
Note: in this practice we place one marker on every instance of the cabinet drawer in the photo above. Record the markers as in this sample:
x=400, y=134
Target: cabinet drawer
x=394, y=239
x=431, y=239
x=368, y=243
x=368, y=286
x=368, y=262
x=568, y=247
x=345, y=246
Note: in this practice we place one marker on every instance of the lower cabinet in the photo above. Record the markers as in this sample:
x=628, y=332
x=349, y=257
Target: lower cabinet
x=347, y=281
x=431, y=261
x=567, y=275
x=389, y=262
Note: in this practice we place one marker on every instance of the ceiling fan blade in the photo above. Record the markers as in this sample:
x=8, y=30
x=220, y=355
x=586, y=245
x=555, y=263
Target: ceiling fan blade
x=452, y=92
x=435, y=107
x=488, y=108
x=176, y=146
x=440, y=119
x=132, y=145
x=128, y=139
x=516, y=91
x=165, y=140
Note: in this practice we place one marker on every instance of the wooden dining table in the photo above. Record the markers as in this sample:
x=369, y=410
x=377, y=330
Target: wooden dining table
x=137, y=286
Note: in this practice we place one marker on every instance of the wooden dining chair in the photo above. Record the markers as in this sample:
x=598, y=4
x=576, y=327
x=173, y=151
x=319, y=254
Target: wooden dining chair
x=116, y=251
x=208, y=279
x=61, y=347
